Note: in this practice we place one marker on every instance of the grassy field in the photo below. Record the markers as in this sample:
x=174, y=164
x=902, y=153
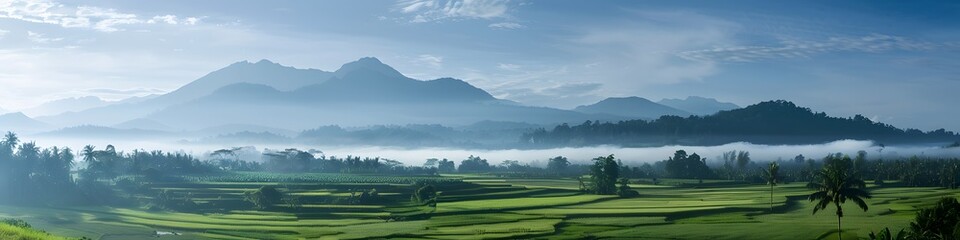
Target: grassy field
x=486, y=207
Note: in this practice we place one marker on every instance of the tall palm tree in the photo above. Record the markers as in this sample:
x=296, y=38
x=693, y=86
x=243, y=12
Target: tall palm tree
x=837, y=184
x=773, y=177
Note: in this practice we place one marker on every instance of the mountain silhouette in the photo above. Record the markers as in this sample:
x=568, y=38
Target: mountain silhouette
x=633, y=107
x=17, y=121
x=699, y=105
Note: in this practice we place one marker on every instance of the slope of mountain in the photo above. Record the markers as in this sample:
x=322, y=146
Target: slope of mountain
x=18, y=122
x=263, y=72
x=772, y=122
x=634, y=107
x=698, y=105
x=143, y=124
x=91, y=131
x=66, y=105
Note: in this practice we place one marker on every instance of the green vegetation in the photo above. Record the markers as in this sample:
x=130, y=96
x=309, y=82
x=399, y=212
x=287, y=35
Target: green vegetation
x=17, y=229
x=296, y=195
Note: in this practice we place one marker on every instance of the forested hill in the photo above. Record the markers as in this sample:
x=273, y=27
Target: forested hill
x=771, y=122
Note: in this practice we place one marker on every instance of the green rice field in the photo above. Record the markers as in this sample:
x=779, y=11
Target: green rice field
x=485, y=207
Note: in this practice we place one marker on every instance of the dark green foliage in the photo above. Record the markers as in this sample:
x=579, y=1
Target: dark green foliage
x=624, y=189
x=29, y=174
x=937, y=222
x=264, y=198
x=837, y=183
x=604, y=174
x=169, y=200
x=426, y=195
x=886, y=234
x=771, y=122
x=446, y=166
x=686, y=166
x=16, y=222
x=474, y=164
x=367, y=197
x=558, y=164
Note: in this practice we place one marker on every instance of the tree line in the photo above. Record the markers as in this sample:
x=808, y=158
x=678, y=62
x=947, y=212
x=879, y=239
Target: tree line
x=771, y=122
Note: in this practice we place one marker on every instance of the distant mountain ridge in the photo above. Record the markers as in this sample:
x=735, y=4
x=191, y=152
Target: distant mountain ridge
x=18, y=121
x=66, y=105
x=633, y=107
x=698, y=105
x=771, y=122
x=362, y=92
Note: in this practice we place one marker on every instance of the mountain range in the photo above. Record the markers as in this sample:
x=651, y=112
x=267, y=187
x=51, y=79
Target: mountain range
x=360, y=93
x=248, y=99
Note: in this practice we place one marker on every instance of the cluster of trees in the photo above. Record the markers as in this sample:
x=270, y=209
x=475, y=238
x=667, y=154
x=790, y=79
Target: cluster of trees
x=690, y=166
x=771, y=122
x=31, y=175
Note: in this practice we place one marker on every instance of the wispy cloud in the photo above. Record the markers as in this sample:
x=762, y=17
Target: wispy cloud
x=430, y=60
x=435, y=10
x=506, y=25
x=100, y=19
x=874, y=43
x=40, y=38
x=508, y=67
x=3, y=33
x=131, y=91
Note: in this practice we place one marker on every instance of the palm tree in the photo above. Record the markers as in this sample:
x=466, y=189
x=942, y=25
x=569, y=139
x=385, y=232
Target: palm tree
x=837, y=185
x=773, y=177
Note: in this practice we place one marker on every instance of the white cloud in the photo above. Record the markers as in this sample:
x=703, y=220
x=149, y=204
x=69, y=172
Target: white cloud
x=804, y=49
x=630, y=56
x=508, y=67
x=435, y=10
x=506, y=25
x=3, y=33
x=100, y=19
x=430, y=60
x=40, y=38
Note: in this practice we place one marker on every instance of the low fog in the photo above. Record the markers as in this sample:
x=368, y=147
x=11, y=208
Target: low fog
x=536, y=157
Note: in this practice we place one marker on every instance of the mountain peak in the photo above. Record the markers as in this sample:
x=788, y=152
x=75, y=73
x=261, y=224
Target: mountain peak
x=17, y=115
x=369, y=64
x=633, y=106
x=266, y=62
x=699, y=105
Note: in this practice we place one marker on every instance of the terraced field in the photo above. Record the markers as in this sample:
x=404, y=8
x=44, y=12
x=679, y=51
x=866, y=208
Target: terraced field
x=472, y=207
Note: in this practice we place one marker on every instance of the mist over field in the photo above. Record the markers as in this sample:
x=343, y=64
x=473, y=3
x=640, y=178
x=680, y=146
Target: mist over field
x=416, y=156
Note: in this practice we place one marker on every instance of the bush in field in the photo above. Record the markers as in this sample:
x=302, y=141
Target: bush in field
x=886, y=234
x=167, y=199
x=624, y=189
x=367, y=197
x=264, y=198
x=425, y=195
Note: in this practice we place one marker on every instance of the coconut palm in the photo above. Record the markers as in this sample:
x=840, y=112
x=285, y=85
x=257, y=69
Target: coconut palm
x=837, y=184
x=773, y=177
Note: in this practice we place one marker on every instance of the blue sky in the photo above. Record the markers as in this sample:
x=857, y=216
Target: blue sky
x=893, y=61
